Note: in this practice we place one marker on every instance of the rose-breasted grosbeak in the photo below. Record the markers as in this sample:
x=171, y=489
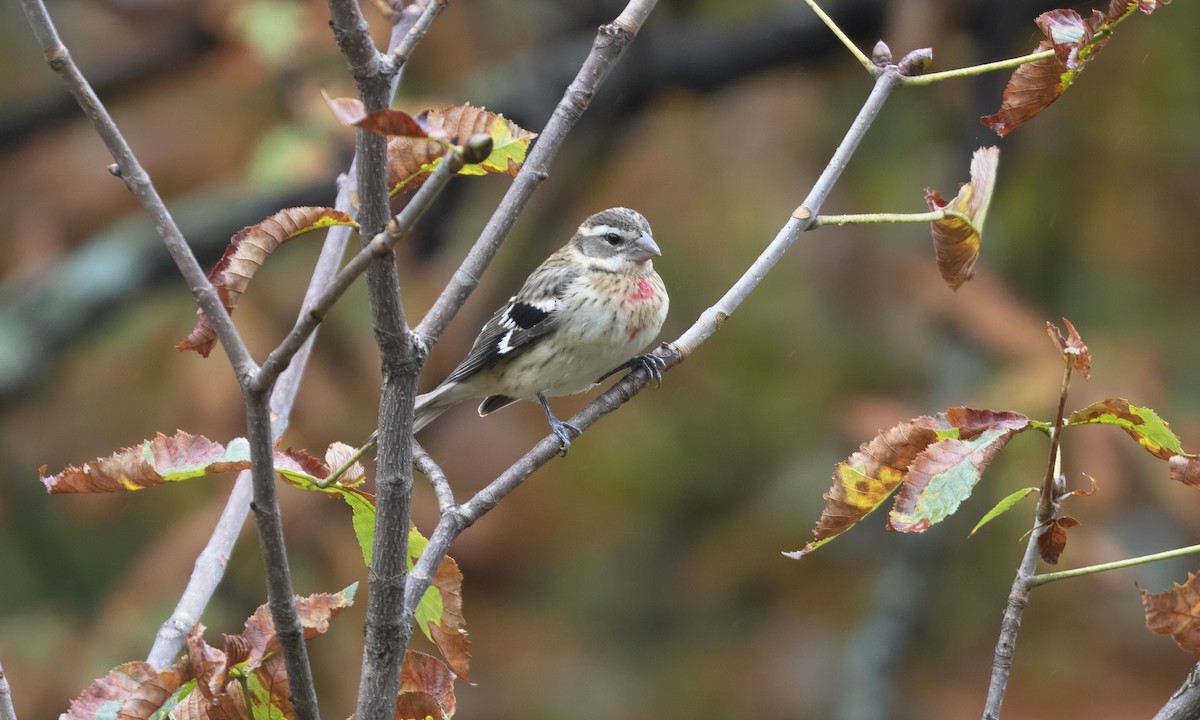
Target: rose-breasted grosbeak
x=583, y=314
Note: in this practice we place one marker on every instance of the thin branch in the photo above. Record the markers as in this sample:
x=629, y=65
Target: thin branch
x=837, y=31
x=6, y=705
x=1045, y=578
x=977, y=69
x=610, y=43
x=437, y=478
x=871, y=218
x=1018, y=596
x=206, y=575
x=416, y=32
x=138, y=181
x=278, y=574
x=1185, y=701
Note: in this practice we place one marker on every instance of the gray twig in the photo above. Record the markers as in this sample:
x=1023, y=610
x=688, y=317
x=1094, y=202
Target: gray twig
x=6, y=705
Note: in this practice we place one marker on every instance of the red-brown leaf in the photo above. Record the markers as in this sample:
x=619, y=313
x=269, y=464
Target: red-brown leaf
x=428, y=676
x=1176, y=612
x=1071, y=347
x=957, y=241
x=247, y=251
x=1053, y=541
x=387, y=122
x=1185, y=469
x=151, y=463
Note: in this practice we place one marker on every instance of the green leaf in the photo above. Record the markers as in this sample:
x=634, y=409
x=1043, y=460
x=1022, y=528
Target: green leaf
x=1002, y=507
x=1142, y=424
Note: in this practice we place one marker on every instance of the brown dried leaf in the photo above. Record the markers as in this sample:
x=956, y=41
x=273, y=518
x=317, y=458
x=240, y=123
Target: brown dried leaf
x=410, y=160
x=247, y=251
x=1071, y=347
x=867, y=478
x=416, y=706
x=210, y=666
x=314, y=611
x=1176, y=612
x=133, y=691
x=163, y=459
x=1053, y=541
x=388, y=122
x=426, y=675
x=958, y=238
x=1075, y=41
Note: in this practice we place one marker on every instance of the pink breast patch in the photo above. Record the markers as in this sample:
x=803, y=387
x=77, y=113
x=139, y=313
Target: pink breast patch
x=644, y=291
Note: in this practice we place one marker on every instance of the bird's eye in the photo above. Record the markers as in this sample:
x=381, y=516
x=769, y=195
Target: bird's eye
x=613, y=239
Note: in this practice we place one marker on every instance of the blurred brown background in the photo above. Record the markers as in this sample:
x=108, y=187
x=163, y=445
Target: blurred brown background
x=640, y=576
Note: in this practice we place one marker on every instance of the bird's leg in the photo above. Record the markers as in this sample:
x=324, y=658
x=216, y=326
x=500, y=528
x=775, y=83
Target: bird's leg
x=652, y=364
x=562, y=430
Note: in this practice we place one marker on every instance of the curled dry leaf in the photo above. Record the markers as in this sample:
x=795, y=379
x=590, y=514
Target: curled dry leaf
x=1053, y=539
x=411, y=159
x=958, y=236
x=1176, y=612
x=1071, y=347
x=247, y=251
x=1075, y=42
x=424, y=679
x=387, y=122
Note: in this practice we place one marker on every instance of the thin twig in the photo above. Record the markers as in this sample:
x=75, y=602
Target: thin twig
x=610, y=43
x=1018, y=596
x=6, y=705
x=837, y=31
x=1045, y=578
x=416, y=32
x=437, y=478
x=976, y=69
x=206, y=575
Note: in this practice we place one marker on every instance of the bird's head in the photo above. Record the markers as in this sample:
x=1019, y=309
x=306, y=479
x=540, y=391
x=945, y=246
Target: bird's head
x=612, y=238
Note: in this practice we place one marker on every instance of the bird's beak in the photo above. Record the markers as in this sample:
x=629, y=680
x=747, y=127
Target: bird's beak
x=645, y=248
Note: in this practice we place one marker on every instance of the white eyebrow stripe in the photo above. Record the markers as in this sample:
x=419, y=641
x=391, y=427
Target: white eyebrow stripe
x=598, y=230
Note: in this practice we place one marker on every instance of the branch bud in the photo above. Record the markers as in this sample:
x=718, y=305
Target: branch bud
x=915, y=62
x=881, y=55
x=477, y=148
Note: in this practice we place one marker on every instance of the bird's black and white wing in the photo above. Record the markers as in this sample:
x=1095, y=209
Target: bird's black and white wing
x=526, y=318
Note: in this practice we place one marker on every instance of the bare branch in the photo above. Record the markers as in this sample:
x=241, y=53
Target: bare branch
x=1185, y=702
x=6, y=706
x=206, y=575
x=437, y=478
x=610, y=43
x=416, y=31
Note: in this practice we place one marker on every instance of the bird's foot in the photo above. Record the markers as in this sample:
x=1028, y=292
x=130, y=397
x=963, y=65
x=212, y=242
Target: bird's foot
x=652, y=364
x=563, y=431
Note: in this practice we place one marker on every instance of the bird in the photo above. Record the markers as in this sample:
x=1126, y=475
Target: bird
x=585, y=313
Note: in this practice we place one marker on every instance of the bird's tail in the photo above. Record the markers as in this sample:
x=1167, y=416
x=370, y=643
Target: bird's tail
x=435, y=402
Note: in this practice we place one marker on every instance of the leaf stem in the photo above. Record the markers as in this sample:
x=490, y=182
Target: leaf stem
x=976, y=69
x=1045, y=578
x=837, y=31
x=869, y=218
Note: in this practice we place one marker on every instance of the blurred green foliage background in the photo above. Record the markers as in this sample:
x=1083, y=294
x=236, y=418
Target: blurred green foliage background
x=641, y=575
